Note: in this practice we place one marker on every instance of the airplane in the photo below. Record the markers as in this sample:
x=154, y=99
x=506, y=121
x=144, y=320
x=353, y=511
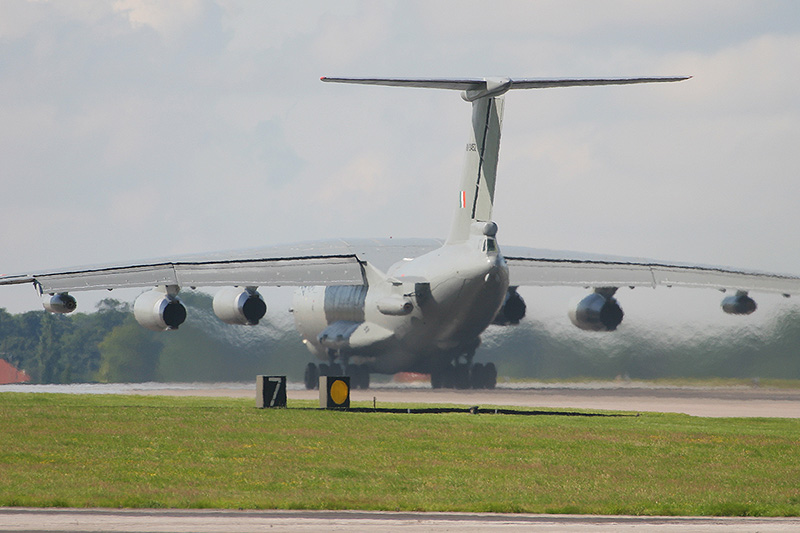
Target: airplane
x=367, y=306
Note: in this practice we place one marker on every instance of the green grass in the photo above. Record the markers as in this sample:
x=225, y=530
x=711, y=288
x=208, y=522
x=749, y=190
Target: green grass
x=132, y=451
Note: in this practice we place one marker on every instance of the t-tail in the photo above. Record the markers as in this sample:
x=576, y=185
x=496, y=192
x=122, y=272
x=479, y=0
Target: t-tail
x=476, y=193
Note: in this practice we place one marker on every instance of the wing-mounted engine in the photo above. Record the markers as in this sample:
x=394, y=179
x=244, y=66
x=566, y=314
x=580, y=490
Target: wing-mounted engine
x=739, y=304
x=599, y=311
x=61, y=303
x=238, y=306
x=160, y=309
x=513, y=309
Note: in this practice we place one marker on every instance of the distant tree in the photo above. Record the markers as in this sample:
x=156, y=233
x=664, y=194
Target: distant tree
x=81, y=350
x=48, y=352
x=107, y=305
x=129, y=354
x=190, y=354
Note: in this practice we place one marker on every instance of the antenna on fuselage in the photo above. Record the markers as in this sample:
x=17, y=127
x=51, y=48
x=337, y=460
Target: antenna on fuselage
x=476, y=195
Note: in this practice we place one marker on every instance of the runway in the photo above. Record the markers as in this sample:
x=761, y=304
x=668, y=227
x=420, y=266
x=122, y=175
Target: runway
x=226, y=521
x=741, y=401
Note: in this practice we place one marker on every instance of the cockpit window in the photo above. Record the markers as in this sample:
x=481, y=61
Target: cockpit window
x=490, y=245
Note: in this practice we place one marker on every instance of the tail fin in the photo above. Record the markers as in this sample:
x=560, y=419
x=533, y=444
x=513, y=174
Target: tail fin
x=486, y=94
x=476, y=195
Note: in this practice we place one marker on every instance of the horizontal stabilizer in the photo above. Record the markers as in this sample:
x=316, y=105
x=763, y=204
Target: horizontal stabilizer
x=475, y=88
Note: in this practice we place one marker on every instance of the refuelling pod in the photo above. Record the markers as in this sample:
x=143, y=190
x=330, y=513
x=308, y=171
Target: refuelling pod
x=597, y=312
x=234, y=305
x=61, y=303
x=159, y=310
x=513, y=309
x=739, y=304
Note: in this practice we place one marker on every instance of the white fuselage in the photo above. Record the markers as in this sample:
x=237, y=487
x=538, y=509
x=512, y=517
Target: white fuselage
x=454, y=293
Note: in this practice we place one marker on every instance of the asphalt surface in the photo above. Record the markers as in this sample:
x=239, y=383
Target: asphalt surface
x=216, y=521
x=743, y=401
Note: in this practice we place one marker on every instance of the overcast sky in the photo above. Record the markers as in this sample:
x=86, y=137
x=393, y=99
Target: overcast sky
x=134, y=129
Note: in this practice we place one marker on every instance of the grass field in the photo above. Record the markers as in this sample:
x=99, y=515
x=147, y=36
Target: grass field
x=133, y=451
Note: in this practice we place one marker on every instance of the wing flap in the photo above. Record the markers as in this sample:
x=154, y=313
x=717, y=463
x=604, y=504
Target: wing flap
x=107, y=278
x=523, y=271
x=336, y=270
x=551, y=268
x=334, y=262
x=345, y=270
x=726, y=279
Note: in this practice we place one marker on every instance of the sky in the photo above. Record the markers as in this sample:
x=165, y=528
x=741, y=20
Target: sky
x=134, y=129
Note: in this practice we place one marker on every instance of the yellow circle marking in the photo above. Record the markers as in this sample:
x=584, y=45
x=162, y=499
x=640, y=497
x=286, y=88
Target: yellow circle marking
x=339, y=391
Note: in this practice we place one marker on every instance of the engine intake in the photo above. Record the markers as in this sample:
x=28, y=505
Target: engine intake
x=512, y=310
x=238, y=306
x=739, y=304
x=159, y=311
x=599, y=311
x=61, y=303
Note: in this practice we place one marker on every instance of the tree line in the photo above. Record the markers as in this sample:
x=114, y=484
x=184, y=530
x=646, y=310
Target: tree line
x=108, y=345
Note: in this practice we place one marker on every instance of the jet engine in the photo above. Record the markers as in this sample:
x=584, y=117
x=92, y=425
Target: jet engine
x=512, y=310
x=159, y=310
x=238, y=306
x=59, y=303
x=598, y=312
x=738, y=304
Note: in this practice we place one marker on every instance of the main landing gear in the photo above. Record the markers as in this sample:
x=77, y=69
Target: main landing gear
x=359, y=374
x=458, y=375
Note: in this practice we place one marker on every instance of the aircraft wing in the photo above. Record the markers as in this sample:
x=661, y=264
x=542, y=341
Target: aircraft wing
x=339, y=262
x=335, y=262
x=532, y=266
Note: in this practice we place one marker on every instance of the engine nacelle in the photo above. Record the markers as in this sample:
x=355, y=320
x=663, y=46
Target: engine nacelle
x=239, y=306
x=597, y=312
x=739, y=304
x=159, y=311
x=513, y=309
x=61, y=303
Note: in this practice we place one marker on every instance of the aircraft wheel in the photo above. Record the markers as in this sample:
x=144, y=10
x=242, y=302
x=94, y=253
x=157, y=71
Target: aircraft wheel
x=477, y=376
x=311, y=376
x=355, y=379
x=490, y=376
x=443, y=377
x=360, y=376
x=437, y=379
x=461, y=377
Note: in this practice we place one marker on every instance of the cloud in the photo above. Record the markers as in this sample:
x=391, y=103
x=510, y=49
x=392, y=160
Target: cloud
x=169, y=19
x=758, y=74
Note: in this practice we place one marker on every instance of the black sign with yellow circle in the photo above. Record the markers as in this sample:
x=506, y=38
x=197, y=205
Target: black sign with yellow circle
x=334, y=392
